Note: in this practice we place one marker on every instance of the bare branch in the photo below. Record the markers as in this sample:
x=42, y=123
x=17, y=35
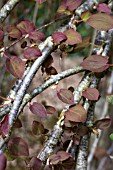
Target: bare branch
x=6, y=9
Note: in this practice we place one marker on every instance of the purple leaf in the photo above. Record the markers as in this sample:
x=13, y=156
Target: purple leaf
x=104, y=8
x=103, y=123
x=18, y=147
x=91, y=94
x=95, y=63
x=73, y=4
x=3, y=161
x=13, y=32
x=38, y=109
x=65, y=96
x=32, y=53
x=26, y=26
x=58, y=37
x=36, y=163
x=4, y=125
x=36, y=35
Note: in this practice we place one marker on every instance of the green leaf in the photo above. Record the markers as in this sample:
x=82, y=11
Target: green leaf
x=109, y=99
x=111, y=136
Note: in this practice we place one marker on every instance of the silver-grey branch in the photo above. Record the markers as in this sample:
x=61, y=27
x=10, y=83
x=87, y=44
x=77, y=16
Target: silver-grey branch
x=6, y=9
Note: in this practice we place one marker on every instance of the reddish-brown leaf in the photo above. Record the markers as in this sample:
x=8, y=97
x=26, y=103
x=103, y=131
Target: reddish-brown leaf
x=4, y=125
x=36, y=163
x=103, y=123
x=91, y=94
x=73, y=4
x=38, y=109
x=32, y=53
x=73, y=37
x=63, y=155
x=37, y=128
x=104, y=8
x=13, y=32
x=51, y=71
x=50, y=109
x=101, y=21
x=1, y=35
x=95, y=63
x=18, y=124
x=65, y=96
x=58, y=37
x=3, y=161
x=15, y=66
x=36, y=35
x=26, y=26
x=18, y=147
x=76, y=114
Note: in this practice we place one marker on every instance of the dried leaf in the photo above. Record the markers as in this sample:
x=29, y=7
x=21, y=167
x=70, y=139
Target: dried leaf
x=50, y=109
x=32, y=53
x=95, y=63
x=73, y=37
x=91, y=94
x=18, y=147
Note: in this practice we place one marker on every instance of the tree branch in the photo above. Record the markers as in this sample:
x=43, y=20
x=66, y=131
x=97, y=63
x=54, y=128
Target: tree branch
x=6, y=9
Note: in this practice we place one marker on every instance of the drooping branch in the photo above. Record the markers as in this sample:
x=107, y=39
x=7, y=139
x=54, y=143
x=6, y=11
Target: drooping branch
x=7, y=8
x=84, y=144
x=58, y=128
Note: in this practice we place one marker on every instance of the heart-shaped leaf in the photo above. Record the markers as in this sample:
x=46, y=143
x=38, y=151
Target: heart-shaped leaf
x=18, y=147
x=95, y=63
x=3, y=161
x=104, y=8
x=32, y=53
x=13, y=32
x=58, y=37
x=73, y=37
x=76, y=114
x=26, y=26
x=91, y=94
x=65, y=96
x=15, y=66
x=36, y=35
x=38, y=109
x=101, y=21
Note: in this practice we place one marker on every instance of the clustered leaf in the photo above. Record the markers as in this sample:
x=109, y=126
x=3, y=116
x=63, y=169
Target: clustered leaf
x=13, y=32
x=58, y=37
x=103, y=123
x=4, y=125
x=3, y=161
